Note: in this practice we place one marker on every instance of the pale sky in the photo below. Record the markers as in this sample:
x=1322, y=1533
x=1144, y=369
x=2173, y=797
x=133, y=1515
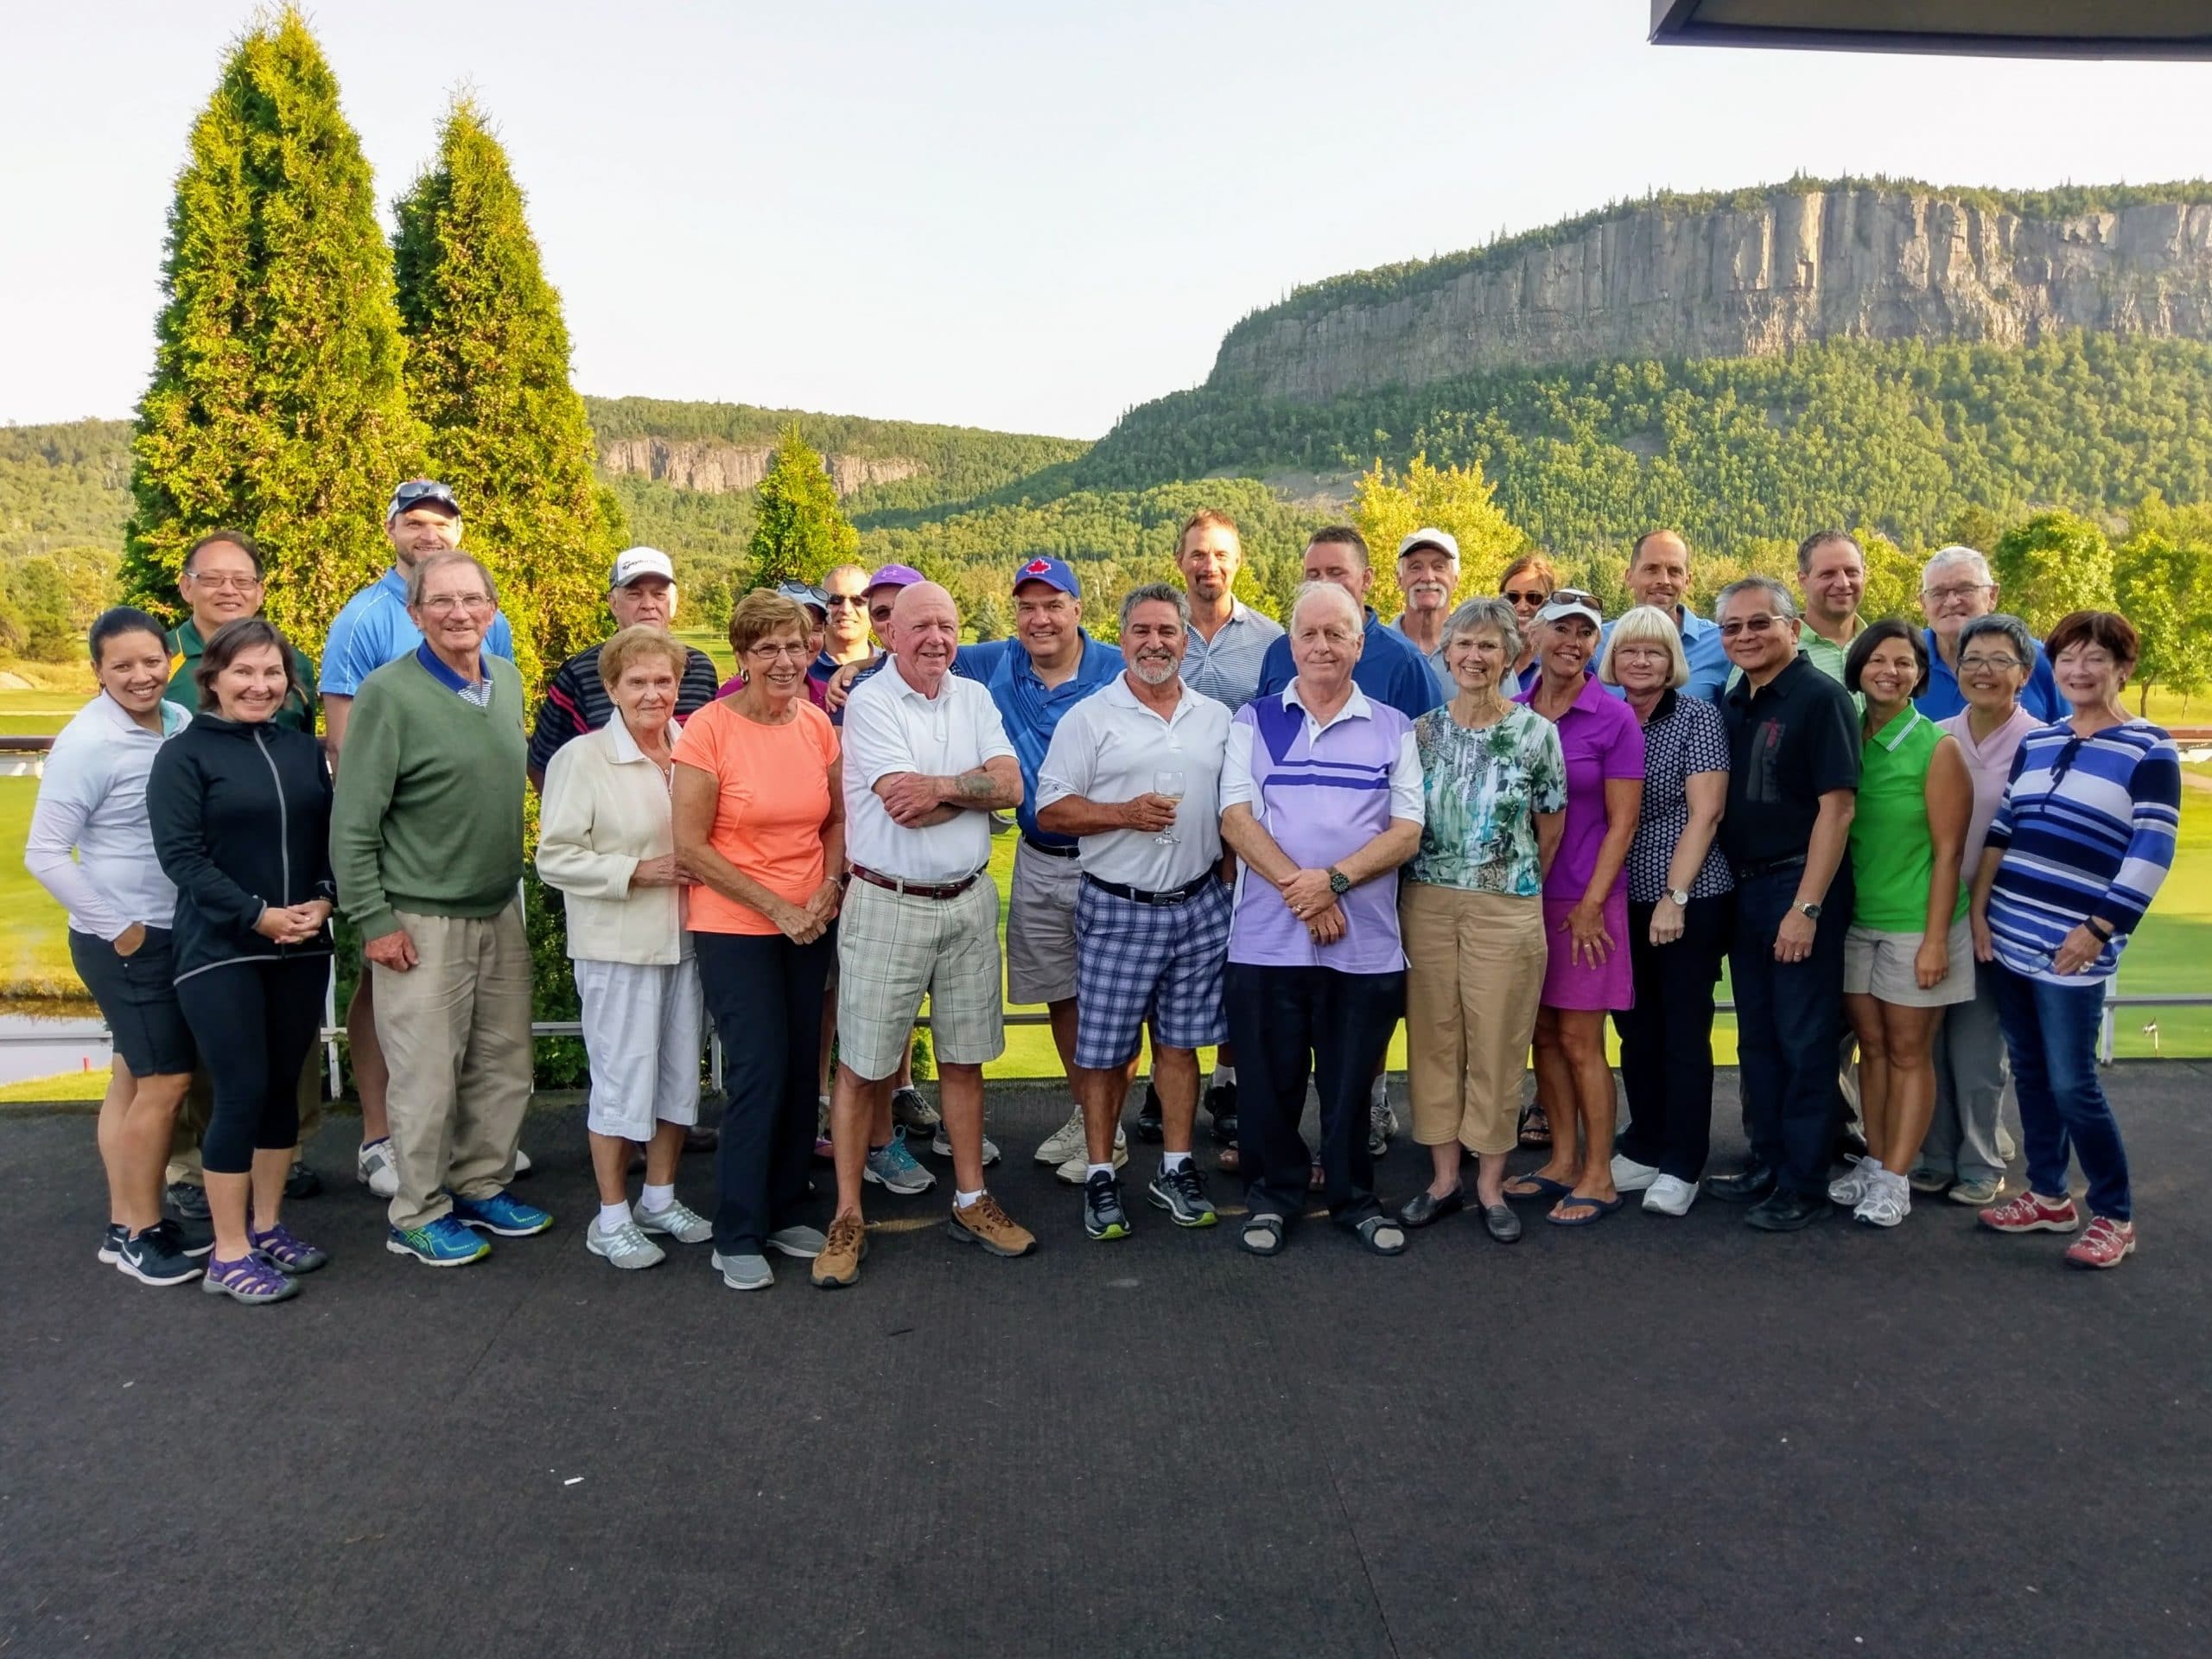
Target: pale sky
x=1015, y=215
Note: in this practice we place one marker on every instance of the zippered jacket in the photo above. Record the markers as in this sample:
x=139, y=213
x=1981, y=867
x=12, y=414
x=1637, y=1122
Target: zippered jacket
x=241, y=821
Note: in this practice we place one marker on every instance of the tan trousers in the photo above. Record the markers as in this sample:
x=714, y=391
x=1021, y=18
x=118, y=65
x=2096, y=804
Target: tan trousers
x=455, y=1032
x=192, y=1117
x=1474, y=976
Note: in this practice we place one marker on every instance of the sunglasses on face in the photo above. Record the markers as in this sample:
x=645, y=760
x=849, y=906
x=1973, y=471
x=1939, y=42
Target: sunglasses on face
x=1747, y=624
x=1531, y=597
x=848, y=599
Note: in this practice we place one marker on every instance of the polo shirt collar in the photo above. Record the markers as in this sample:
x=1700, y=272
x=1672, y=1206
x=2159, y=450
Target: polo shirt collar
x=393, y=584
x=1356, y=707
x=1022, y=664
x=1592, y=694
x=184, y=639
x=1900, y=728
x=1691, y=625
x=1665, y=707
x=446, y=676
x=1119, y=692
x=172, y=718
x=1742, y=692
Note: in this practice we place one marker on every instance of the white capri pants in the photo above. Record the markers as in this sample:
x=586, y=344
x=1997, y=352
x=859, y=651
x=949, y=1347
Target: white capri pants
x=642, y=1031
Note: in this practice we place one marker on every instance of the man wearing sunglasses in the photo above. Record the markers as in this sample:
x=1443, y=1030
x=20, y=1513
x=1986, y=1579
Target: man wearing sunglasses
x=844, y=633
x=1793, y=784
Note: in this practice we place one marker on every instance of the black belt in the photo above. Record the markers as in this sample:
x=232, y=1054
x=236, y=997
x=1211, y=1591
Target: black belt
x=1047, y=849
x=1752, y=869
x=916, y=889
x=1181, y=895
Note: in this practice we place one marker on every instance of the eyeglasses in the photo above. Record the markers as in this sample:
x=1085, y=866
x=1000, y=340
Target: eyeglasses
x=223, y=583
x=1752, y=624
x=1954, y=595
x=446, y=604
x=772, y=653
x=1986, y=664
x=1529, y=598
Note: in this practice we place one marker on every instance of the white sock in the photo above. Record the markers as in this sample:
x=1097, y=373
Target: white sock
x=1380, y=1094
x=656, y=1198
x=1223, y=1074
x=1089, y=1170
x=966, y=1200
x=613, y=1216
x=1170, y=1161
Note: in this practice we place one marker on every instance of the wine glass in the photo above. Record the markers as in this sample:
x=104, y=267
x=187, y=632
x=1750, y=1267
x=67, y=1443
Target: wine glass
x=1169, y=784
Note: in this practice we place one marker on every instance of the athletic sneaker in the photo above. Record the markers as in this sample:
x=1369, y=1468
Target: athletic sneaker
x=2030, y=1213
x=1850, y=1189
x=111, y=1242
x=440, y=1243
x=1182, y=1193
x=1628, y=1176
x=2107, y=1244
x=626, y=1247
x=522, y=1163
x=1077, y=1170
x=679, y=1222
x=1929, y=1181
x=152, y=1255
x=195, y=1238
x=804, y=1242
x=942, y=1147
x=892, y=1166
x=1382, y=1124
x=502, y=1213
x=910, y=1111
x=1067, y=1141
x=253, y=1278
x=1103, y=1215
x=1888, y=1200
x=376, y=1169
x=985, y=1223
x=1669, y=1195
x=839, y=1264
x=1982, y=1190
x=188, y=1199
x=744, y=1271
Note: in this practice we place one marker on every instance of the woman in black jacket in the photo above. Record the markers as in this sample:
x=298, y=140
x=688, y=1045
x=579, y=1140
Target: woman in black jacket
x=241, y=821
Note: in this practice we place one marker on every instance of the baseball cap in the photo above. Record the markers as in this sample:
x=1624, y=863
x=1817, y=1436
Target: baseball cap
x=421, y=492
x=813, y=597
x=1053, y=573
x=634, y=562
x=895, y=576
x=1437, y=539
x=1571, y=602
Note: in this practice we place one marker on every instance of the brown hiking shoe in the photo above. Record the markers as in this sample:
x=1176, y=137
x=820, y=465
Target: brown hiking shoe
x=839, y=1264
x=983, y=1223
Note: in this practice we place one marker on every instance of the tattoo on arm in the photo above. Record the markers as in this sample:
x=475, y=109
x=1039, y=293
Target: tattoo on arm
x=975, y=785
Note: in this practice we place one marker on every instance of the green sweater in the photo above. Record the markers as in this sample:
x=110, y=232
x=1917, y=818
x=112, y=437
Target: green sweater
x=429, y=810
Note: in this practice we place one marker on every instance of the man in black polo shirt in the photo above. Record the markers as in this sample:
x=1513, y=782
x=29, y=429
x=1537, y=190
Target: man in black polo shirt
x=1793, y=783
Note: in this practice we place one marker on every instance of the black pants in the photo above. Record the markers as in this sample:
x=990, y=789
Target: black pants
x=1667, y=1039
x=253, y=1023
x=1285, y=1023
x=765, y=995
x=1789, y=1020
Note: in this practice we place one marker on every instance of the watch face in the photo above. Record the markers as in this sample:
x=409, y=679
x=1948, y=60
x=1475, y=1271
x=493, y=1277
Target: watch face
x=1339, y=882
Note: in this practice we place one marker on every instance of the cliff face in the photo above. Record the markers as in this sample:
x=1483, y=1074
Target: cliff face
x=1659, y=281
x=727, y=469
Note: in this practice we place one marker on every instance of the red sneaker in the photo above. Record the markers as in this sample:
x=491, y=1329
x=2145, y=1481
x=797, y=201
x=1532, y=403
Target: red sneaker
x=2030, y=1214
x=2107, y=1244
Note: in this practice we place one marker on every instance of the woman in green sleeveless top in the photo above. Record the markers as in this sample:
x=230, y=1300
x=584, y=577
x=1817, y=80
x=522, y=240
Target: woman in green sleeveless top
x=1909, y=952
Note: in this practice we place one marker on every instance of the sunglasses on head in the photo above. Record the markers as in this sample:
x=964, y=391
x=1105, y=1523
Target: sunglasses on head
x=417, y=488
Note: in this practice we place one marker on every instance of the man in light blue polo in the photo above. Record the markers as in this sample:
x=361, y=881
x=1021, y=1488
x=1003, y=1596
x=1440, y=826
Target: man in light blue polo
x=1228, y=639
x=1956, y=586
x=1659, y=576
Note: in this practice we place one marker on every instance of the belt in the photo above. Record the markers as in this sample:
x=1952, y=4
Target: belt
x=916, y=889
x=1752, y=869
x=1047, y=849
x=1181, y=895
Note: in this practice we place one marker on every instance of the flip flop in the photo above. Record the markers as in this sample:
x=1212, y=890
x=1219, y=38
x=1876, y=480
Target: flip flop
x=1539, y=1186
x=1599, y=1209
x=1535, y=1128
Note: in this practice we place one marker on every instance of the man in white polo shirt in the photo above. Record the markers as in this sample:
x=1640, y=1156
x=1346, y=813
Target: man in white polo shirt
x=926, y=762
x=1135, y=773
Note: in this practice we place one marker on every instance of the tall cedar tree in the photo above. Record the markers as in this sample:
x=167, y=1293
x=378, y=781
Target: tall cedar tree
x=487, y=370
x=802, y=531
x=275, y=403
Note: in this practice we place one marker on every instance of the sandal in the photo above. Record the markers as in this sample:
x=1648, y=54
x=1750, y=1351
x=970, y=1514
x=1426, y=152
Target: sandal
x=1382, y=1235
x=1261, y=1236
x=1533, y=1185
x=288, y=1249
x=1535, y=1128
x=252, y=1278
x=1598, y=1210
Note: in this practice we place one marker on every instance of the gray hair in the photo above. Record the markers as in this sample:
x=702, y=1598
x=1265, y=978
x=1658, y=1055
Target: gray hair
x=2009, y=629
x=1944, y=557
x=1485, y=611
x=1311, y=590
x=1156, y=593
x=1785, y=605
x=438, y=561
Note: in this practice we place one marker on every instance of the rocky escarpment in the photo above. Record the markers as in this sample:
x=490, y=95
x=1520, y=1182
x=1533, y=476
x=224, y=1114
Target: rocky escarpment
x=1756, y=276
x=715, y=469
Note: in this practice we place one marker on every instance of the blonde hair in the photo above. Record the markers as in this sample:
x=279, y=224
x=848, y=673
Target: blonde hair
x=1646, y=624
x=632, y=643
x=1535, y=562
x=764, y=611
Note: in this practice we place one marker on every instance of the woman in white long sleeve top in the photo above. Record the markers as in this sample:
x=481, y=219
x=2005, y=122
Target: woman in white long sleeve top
x=91, y=846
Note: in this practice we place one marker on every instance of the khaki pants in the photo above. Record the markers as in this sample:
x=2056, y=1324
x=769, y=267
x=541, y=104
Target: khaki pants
x=1474, y=976
x=455, y=1032
x=185, y=1167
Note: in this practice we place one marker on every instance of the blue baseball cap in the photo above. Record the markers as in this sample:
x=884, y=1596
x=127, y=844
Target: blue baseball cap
x=1053, y=573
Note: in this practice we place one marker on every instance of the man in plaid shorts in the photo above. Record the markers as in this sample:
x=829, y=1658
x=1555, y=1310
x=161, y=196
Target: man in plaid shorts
x=1133, y=773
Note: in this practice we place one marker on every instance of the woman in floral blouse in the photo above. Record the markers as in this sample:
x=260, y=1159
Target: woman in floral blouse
x=1472, y=913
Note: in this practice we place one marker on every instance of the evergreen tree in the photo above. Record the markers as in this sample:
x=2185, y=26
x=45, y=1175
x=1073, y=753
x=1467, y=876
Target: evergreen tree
x=275, y=403
x=2053, y=564
x=488, y=371
x=802, y=531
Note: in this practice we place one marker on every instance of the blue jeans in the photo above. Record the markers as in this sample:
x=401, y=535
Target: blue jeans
x=2051, y=1034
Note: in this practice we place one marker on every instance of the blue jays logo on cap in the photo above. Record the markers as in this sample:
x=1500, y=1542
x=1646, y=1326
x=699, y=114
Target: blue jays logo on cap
x=1053, y=573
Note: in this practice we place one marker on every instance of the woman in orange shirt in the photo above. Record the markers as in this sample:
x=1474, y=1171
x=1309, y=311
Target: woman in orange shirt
x=759, y=822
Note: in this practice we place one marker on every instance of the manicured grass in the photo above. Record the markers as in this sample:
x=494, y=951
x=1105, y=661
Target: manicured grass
x=63, y=1085
x=34, y=933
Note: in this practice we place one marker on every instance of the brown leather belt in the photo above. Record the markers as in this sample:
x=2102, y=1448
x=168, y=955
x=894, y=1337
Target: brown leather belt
x=916, y=889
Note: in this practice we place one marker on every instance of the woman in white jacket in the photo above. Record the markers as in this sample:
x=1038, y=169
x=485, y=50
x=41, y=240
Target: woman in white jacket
x=605, y=841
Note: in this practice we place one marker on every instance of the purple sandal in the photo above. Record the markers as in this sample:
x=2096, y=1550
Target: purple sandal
x=252, y=1278
x=288, y=1251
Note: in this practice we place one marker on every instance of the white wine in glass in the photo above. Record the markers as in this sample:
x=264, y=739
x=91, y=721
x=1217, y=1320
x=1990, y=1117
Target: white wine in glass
x=1169, y=784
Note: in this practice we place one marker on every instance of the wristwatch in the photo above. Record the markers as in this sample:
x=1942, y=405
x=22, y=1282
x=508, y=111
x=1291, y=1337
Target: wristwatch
x=1339, y=883
x=1812, y=911
x=1680, y=895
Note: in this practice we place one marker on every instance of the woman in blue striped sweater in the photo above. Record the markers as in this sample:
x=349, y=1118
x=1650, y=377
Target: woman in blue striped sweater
x=2083, y=838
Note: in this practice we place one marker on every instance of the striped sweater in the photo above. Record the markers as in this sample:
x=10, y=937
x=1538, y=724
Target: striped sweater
x=2087, y=830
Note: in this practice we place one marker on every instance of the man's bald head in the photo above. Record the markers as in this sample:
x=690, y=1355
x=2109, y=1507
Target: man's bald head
x=925, y=633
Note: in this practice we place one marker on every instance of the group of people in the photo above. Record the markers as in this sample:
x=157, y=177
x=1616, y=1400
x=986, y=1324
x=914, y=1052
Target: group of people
x=1498, y=822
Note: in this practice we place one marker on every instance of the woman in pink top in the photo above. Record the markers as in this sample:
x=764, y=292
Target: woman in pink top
x=1967, y=1147
x=1586, y=912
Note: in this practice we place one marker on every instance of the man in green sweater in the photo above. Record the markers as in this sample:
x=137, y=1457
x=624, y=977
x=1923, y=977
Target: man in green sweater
x=426, y=840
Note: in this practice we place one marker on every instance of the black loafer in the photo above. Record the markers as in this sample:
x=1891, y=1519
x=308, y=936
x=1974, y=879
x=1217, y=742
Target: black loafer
x=1424, y=1207
x=1504, y=1226
x=1754, y=1181
x=1785, y=1213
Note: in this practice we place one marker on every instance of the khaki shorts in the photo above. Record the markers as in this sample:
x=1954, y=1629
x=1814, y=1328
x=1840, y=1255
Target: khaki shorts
x=1880, y=965
x=1040, y=927
x=893, y=950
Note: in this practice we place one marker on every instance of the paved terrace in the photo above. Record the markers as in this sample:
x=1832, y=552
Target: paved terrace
x=1646, y=1438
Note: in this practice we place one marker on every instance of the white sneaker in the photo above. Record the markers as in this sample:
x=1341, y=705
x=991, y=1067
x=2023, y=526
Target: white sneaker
x=1063, y=1143
x=521, y=1161
x=377, y=1169
x=626, y=1247
x=943, y=1147
x=1850, y=1188
x=1888, y=1200
x=1628, y=1176
x=1668, y=1196
x=1077, y=1170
